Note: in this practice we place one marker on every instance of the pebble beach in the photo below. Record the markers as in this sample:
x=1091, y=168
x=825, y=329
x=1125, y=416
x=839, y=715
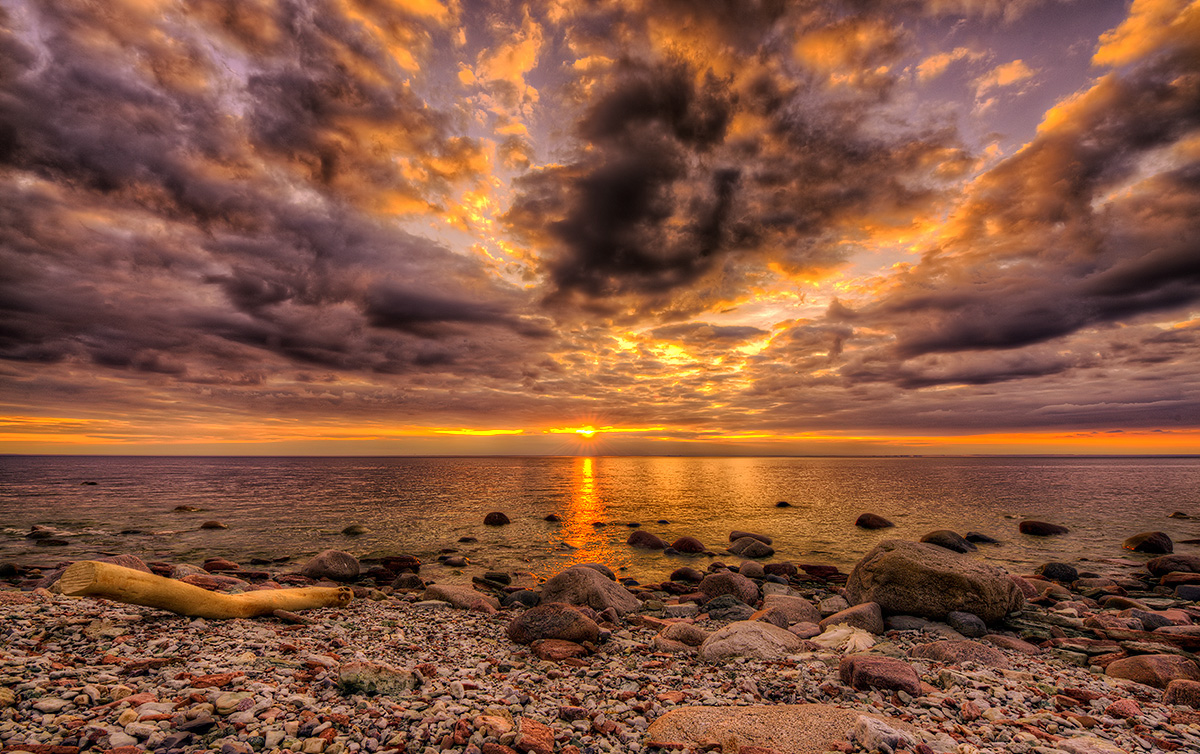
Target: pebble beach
x=727, y=654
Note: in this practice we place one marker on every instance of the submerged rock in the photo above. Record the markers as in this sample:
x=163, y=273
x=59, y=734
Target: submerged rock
x=872, y=521
x=495, y=518
x=949, y=540
x=1156, y=542
x=645, y=540
x=1041, y=528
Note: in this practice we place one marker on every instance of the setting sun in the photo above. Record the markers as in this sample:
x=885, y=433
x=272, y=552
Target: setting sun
x=588, y=431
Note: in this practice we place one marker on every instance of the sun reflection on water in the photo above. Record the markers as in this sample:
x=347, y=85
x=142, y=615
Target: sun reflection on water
x=586, y=509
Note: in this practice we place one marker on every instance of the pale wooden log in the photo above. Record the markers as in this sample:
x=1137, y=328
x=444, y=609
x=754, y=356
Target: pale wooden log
x=91, y=578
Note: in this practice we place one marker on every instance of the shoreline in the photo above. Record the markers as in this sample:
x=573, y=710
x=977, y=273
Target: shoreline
x=94, y=675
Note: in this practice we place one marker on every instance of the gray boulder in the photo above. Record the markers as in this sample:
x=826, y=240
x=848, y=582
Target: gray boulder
x=332, y=564
x=750, y=639
x=913, y=578
x=750, y=547
x=581, y=585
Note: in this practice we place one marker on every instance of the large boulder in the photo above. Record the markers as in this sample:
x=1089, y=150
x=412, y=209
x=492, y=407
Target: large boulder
x=865, y=671
x=364, y=677
x=781, y=728
x=581, y=585
x=463, y=597
x=1174, y=563
x=797, y=609
x=1156, y=542
x=332, y=564
x=645, y=540
x=912, y=578
x=865, y=615
x=750, y=547
x=716, y=584
x=1154, y=670
x=554, y=620
x=748, y=638
x=960, y=651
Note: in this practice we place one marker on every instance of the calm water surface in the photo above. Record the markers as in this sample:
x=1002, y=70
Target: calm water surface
x=277, y=507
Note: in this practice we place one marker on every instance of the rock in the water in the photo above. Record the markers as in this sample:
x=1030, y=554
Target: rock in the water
x=1041, y=528
x=355, y=530
x=376, y=678
x=495, y=518
x=949, y=540
x=1060, y=572
x=553, y=620
x=866, y=616
x=783, y=504
x=930, y=581
x=967, y=624
x=716, y=584
x=1156, y=542
x=687, y=573
x=582, y=585
x=873, y=521
x=783, y=728
x=958, y=652
x=749, y=639
x=735, y=535
x=977, y=538
x=689, y=545
x=645, y=540
x=213, y=525
x=1174, y=563
x=750, y=547
x=1154, y=670
x=462, y=597
x=332, y=564
x=553, y=518
x=864, y=671
x=797, y=609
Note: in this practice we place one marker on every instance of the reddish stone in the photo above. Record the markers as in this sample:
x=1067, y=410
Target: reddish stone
x=1086, y=721
x=756, y=750
x=1183, y=691
x=1154, y=670
x=1103, y=661
x=215, y=680
x=876, y=672
x=1124, y=709
x=957, y=652
x=494, y=748
x=126, y=750
x=1012, y=643
x=534, y=737
x=43, y=748
x=971, y=711
x=220, y=564
x=556, y=650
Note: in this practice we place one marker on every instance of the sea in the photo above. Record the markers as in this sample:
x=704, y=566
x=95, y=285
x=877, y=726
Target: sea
x=286, y=509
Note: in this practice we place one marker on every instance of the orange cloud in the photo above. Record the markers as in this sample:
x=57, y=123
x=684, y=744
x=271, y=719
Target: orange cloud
x=1151, y=26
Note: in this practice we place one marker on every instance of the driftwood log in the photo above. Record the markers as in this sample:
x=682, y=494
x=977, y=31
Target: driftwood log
x=91, y=578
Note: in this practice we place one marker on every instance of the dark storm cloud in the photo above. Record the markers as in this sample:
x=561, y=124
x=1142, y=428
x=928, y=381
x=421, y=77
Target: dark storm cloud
x=147, y=226
x=664, y=197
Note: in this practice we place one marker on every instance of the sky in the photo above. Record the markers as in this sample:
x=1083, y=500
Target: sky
x=631, y=226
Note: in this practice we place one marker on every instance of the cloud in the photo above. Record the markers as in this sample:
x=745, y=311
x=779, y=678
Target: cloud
x=1152, y=26
x=1003, y=77
x=935, y=65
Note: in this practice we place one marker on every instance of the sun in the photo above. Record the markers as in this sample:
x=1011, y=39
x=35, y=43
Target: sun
x=587, y=432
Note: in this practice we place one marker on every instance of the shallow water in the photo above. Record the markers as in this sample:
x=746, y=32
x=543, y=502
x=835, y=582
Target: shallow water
x=278, y=507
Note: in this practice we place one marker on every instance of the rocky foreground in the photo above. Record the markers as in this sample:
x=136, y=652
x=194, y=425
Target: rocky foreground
x=919, y=649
